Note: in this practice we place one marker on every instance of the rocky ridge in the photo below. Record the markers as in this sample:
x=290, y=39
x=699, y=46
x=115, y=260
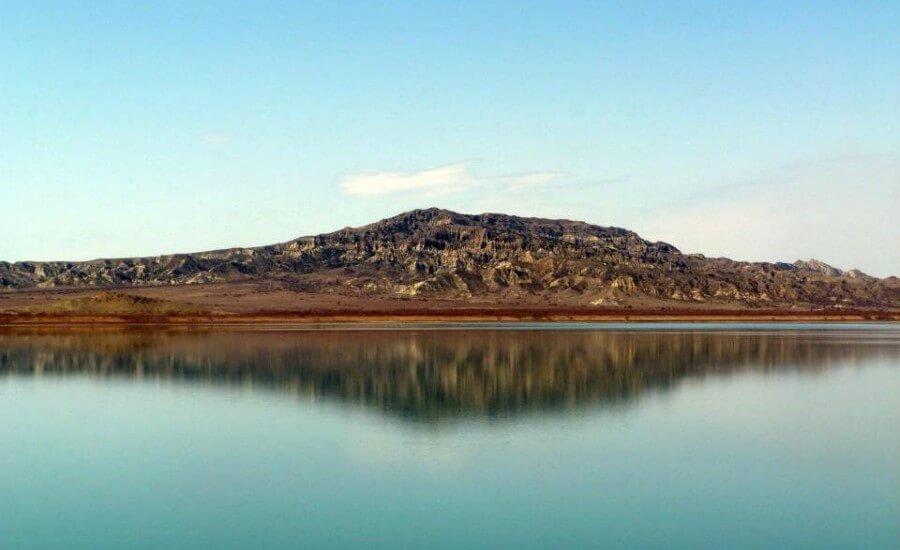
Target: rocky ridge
x=439, y=253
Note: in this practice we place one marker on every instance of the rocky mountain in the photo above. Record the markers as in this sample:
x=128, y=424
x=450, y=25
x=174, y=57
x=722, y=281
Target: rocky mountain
x=439, y=253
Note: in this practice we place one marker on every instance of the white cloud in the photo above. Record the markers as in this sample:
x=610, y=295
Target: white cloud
x=444, y=179
x=450, y=178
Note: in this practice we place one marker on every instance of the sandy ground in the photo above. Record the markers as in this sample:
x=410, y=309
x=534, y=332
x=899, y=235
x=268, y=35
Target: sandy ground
x=255, y=303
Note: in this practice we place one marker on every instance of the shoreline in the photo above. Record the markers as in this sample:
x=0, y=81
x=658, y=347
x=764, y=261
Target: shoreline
x=461, y=315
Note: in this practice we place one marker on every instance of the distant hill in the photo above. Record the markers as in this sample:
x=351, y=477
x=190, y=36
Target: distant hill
x=436, y=253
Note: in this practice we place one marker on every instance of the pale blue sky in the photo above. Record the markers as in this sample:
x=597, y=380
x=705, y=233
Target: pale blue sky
x=756, y=130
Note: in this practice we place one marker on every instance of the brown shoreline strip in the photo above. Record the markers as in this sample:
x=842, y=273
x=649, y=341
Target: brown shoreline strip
x=455, y=315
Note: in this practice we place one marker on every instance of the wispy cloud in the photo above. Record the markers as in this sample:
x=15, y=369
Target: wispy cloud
x=214, y=138
x=519, y=182
x=443, y=179
x=449, y=178
x=840, y=210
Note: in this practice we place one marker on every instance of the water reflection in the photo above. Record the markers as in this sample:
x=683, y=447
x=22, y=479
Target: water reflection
x=438, y=375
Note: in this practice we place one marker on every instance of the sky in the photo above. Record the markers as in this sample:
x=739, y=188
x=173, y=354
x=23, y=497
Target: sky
x=764, y=130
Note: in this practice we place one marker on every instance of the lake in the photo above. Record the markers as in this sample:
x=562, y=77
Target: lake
x=462, y=436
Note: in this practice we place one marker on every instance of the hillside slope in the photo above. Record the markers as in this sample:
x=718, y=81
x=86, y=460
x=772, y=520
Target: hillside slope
x=443, y=254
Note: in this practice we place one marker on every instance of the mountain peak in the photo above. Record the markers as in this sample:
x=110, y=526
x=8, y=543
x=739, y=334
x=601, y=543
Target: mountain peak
x=818, y=266
x=434, y=253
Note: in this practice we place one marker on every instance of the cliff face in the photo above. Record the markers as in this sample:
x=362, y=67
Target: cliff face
x=438, y=253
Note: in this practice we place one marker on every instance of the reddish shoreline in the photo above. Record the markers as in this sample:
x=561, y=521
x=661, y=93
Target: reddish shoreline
x=455, y=315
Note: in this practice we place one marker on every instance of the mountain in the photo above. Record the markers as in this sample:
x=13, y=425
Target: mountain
x=436, y=253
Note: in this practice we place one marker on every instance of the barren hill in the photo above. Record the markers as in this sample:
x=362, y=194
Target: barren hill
x=439, y=254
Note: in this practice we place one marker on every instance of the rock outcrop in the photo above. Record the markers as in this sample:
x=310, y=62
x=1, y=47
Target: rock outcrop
x=438, y=253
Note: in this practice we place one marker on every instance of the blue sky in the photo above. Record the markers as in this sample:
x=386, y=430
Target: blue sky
x=755, y=130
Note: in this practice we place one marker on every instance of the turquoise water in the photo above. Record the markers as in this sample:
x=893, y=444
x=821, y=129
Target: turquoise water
x=738, y=436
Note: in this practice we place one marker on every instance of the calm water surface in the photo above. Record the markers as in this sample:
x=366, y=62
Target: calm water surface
x=517, y=436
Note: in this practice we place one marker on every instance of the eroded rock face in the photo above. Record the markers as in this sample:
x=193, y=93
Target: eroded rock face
x=438, y=253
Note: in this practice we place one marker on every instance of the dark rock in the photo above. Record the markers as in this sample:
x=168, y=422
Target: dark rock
x=438, y=253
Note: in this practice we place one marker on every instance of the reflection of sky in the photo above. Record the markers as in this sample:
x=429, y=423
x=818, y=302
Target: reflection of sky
x=809, y=457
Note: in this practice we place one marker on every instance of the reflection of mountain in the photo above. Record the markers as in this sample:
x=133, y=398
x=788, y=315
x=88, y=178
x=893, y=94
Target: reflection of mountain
x=435, y=375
